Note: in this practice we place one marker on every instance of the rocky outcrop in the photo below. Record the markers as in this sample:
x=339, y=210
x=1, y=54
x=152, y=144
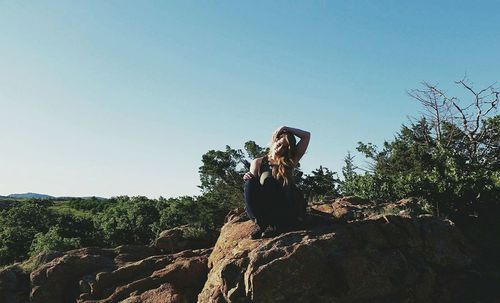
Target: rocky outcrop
x=351, y=208
x=54, y=281
x=14, y=285
x=347, y=250
x=94, y=275
x=173, y=269
x=381, y=259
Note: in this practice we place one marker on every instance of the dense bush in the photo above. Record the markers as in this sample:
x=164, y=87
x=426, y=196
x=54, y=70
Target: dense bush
x=129, y=221
x=18, y=226
x=411, y=166
x=206, y=211
x=52, y=240
x=93, y=204
x=321, y=184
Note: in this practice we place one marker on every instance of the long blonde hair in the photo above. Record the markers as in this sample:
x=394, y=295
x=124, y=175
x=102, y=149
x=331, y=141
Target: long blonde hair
x=284, y=164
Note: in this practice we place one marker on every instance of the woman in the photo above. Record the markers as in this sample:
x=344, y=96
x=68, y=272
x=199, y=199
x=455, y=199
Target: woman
x=270, y=194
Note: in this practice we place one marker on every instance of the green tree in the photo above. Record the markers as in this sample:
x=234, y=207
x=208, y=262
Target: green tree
x=83, y=228
x=129, y=221
x=92, y=204
x=222, y=173
x=176, y=211
x=254, y=150
x=320, y=184
x=53, y=240
x=348, y=185
x=222, y=169
x=18, y=226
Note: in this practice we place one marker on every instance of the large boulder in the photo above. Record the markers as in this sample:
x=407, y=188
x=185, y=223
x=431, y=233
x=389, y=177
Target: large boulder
x=381, y=259
x=55, y=281
x=14, y=285
x=171, y=278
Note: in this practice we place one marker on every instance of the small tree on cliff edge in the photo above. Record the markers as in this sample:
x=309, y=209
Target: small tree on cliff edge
x=449, y=156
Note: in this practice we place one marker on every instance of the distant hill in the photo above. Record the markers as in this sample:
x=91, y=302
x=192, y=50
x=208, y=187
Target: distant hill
x=30, y=196
x=44, y=196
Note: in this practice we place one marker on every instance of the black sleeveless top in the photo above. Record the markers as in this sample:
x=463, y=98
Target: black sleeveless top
x=265, y=166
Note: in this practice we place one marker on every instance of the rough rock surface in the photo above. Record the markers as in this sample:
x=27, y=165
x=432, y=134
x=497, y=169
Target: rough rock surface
x=177, y=239
x=14, y=285
x=381, y=259
x=94, y=275
x=351, y=208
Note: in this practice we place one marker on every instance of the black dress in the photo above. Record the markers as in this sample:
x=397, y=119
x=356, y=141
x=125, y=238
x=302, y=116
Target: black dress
x=270, y=202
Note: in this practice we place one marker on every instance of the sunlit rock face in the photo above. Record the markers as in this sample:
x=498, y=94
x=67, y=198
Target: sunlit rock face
x=98, y=275
x=377, y=259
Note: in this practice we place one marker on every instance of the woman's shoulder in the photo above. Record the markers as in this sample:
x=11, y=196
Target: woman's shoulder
x=255, y=165
x=259, y=160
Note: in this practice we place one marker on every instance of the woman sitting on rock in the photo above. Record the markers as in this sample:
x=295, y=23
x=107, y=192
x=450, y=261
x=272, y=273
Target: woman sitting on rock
x=271, y=197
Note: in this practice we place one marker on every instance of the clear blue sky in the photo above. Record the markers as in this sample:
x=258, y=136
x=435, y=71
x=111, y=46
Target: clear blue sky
x=123, y=97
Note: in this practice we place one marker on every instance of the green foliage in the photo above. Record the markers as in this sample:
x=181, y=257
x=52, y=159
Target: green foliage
x=349, y=169
x=451, y=166
x=223, y=170
x=18, y=226
x=194, y=232
x=28, y=215
x=206, y=212
x=176, y=211
x=83, y=228
x=14, y=244
x=254, y=150
x=213, y=208
x=28, y=228
x=129, y=221
x=93, y=204
x=52, y=240
x=321, y=183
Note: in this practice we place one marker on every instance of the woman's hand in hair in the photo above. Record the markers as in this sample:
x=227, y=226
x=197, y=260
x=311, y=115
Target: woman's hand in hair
x=279, y=131
x=295, y=131
x=304, y=136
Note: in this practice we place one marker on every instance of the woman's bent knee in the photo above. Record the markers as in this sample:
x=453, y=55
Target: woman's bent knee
x=265, y=175
x=250, y=183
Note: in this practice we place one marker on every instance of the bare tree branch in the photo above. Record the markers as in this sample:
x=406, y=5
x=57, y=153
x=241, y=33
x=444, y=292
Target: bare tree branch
x=441, y=109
